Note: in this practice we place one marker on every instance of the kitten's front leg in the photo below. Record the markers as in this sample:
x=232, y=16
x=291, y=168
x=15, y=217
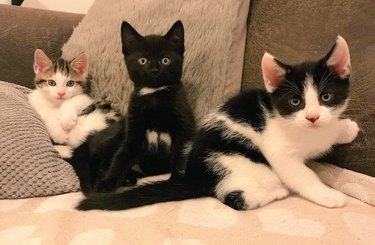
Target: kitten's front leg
x=118, y=170
x=299, y=178
x=68, y=120
x=70, y=110
x=348, y=131
x=57, y=134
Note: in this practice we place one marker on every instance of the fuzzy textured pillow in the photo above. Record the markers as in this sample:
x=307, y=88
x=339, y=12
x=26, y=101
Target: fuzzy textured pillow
x=29, y=165
x=215, y=32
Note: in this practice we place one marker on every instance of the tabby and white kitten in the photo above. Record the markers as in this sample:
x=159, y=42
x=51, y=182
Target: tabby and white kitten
x=60, y=95
x=253, y=150
x=159, y=120
x=85, y=133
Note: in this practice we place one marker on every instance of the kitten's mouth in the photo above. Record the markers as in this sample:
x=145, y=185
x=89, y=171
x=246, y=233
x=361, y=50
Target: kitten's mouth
x=313, y=125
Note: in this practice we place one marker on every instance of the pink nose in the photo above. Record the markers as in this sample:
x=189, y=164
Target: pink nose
x=312, y=117
x=61, y=94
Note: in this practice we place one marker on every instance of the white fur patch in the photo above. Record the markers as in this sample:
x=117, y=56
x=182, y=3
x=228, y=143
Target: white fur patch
x=87, y=124
x=152, y=138
x=155, y=138
x=260, y=185
x=166, y=139
x=311, y=97
x=232, y=129
x=64, y=150
x=147, y=90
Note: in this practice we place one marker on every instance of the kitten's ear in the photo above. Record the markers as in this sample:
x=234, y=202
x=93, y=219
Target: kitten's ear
x=176, y=35
x=129, y=37
x=80, y=64
x=273, y=72
x=41, y=62
x=338, y=58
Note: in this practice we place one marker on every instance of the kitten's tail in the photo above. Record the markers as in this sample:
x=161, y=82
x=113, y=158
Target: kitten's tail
x=155, y=192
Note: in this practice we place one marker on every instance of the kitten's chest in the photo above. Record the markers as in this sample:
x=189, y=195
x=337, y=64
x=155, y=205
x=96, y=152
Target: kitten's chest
x=153, y=111
x=304, y=143
x=157, y=103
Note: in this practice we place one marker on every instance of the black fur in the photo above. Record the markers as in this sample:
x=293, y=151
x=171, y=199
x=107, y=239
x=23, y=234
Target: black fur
x=91, y=159
x=165, y=110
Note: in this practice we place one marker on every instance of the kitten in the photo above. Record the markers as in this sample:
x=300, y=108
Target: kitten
x=61, y=93
x=253, y=150
x=159, y=120
x=85, y=133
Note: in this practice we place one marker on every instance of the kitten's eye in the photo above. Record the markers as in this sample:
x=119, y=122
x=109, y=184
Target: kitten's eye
x=142, y=61
x=166, y=61
x=51, y=83
x=70, y=83
x=295, y=101
x=326, y=97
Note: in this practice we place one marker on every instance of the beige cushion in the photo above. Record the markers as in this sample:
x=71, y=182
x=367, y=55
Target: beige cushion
x=215, y=32
x=29, y=165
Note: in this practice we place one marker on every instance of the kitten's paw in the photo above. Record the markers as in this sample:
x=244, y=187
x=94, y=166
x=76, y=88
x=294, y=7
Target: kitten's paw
x=68, y=121
x=106, y=185
x=281, y=193
x=59, y=136
x=349, y=131
x=328, y=197
x=64, y=151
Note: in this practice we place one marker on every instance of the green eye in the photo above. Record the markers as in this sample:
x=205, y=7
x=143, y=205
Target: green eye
x=70, y=83
x=51, y=82
x=295, y=101
x=166, y=61
x=326, y=97
x=142, y=61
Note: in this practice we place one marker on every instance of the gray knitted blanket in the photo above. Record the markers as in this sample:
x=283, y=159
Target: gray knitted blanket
x=29, y=165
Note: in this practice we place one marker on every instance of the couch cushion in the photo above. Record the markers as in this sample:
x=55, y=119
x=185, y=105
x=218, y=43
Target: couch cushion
x=22, y=31
x=214, y=46
x=297, y=30
x=29, y=165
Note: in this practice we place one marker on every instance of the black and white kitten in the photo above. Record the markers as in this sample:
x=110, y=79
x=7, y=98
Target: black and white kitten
x=160, y=120
x=253, y=150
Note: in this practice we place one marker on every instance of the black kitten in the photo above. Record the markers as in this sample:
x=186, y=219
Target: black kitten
x=159, y=121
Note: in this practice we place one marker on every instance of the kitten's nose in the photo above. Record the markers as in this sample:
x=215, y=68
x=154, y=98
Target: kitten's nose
x=312, y=117
x=61, y=94
x=155, y=71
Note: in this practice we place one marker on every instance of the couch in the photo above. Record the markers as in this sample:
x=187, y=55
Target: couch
x=292, y=31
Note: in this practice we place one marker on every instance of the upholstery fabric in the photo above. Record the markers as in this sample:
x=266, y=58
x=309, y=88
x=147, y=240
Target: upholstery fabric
x=29, y=165
x=214, y=46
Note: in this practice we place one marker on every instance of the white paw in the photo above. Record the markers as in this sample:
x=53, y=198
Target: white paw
x=327, y=197
x=59, y=136
x=64, y=151
x=349, y=131
x=68, y=121
x=263, y=197
x=281, y=193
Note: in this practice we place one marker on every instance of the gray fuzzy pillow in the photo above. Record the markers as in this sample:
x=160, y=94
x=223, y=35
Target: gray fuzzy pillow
x=215, y=32
x=29, y=165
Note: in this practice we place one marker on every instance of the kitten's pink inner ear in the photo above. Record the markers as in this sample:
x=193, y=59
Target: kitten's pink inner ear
x=80, y=64
x=41, y=62
x=273, y=74
x=339, y=60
